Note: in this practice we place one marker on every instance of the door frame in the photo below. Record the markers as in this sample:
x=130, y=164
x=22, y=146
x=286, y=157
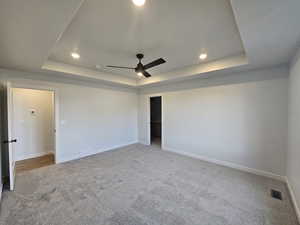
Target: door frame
x=55, y=91
x=149, y=119
x=11, y=158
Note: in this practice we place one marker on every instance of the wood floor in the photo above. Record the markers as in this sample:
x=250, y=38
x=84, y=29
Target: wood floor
x=34, y=163
x=156, y=141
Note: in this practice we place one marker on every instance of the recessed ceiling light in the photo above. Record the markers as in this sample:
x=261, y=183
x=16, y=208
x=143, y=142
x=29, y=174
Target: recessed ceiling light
x=139, y=2
x=139, y=74
x=75, y=55
x=203, y=56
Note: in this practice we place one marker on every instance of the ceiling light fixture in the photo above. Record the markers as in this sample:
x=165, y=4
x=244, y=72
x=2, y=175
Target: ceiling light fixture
x=75, y=55
x=203, y=56
x=139, y=2
x=140, y=74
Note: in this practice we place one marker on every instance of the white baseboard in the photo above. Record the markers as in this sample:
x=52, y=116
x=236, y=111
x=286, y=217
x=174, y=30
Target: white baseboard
x=229, y=164
x=34, y=155
x=245, y=169
x=293, y=198
x=86, y=154
x=143, y=142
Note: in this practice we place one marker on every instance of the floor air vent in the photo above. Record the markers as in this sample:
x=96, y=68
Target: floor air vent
x=276, y=194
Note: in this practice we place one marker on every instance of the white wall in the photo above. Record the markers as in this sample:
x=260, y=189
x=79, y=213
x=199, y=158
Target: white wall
x=252, y=105
x=242, y=123
x=92, y=117
x=293, y=156
x=34, y=131
x=93, y=120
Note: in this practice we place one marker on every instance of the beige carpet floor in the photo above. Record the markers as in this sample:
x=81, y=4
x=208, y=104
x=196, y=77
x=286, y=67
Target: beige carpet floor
x=141, y=185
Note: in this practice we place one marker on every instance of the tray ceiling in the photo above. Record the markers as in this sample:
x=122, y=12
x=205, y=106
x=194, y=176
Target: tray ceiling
x=237, y=35
x=112, y=32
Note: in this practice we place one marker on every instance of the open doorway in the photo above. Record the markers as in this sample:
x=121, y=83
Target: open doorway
x=33, y=126
x=155, y=121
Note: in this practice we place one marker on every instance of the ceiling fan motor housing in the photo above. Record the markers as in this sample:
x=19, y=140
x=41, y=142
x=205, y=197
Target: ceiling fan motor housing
x=139, y=68
x=140, y=56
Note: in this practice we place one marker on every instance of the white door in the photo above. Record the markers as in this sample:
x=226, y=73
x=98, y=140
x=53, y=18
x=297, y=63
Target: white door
x=10, y=140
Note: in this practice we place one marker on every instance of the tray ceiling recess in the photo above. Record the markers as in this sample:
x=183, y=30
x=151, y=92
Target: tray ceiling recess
x=188, y=34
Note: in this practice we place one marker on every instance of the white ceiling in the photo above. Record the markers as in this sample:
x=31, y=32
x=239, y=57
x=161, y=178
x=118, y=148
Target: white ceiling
x=112, y=33
x=269, y=29
x=29, y=30
x=39, y=36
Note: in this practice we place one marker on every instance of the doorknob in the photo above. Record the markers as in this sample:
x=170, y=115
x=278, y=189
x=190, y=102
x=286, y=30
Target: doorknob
x=11, y=141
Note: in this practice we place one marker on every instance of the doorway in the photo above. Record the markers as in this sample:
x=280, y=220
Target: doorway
x=33, y=126
x=155, y=121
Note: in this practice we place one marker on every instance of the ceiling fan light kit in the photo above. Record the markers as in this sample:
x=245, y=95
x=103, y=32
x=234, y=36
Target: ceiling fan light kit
x=139, y=2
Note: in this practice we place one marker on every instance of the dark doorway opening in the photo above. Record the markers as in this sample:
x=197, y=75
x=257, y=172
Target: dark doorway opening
x=155, y=121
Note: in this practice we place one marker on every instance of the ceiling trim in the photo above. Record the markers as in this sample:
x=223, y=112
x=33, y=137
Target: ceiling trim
x=173, y=76
x=66, y=25
x=197, y=70
x=82, y=72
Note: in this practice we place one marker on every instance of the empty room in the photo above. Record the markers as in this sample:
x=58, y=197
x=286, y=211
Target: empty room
x=150, y=112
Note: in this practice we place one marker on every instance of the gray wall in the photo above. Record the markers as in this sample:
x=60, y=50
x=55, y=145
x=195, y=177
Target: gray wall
x=242, y=123
x=293, y=156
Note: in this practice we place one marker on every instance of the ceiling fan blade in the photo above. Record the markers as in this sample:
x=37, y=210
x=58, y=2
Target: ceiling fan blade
x=154, y=63
x=146, y=74
x=121, y=67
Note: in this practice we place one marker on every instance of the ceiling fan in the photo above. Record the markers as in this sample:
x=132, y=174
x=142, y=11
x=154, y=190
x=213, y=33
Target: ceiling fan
x=140, y=69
